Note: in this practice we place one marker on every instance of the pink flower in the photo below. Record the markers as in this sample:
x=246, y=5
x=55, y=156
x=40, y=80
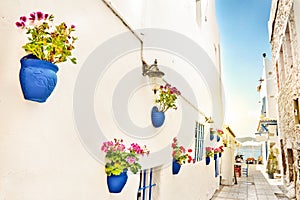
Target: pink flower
x=173, y=153
x=130, y=160
x=32, y=16
x=20, y=24
x=39, y=15
x=208, y=149
x=182, y=149
x=174, y=139
x=23, y=18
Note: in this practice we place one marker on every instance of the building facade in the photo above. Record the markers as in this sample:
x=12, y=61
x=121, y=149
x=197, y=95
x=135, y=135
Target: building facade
x=228, y=159
x=267, y=130
x=284, y=31
x=49, y=151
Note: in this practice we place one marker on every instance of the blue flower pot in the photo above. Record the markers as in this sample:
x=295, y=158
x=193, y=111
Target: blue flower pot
x=218, y=138
x=116, y=183
x=207, y=160
x=215, y=156
x=157, y=117
x=211, y=137
x=220, y=155
x=37, y=78
x=175, y=167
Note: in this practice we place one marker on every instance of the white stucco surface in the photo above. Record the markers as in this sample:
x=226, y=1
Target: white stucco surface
x=42, y=154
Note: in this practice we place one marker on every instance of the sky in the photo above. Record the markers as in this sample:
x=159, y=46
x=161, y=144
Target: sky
x=243, y=26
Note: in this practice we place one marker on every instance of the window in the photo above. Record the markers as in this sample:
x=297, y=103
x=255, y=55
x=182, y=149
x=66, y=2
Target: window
x=281, y=67
x=288, y=47
x=146, y=184
x=290, y=159
x=263, y=107
x=277, y=76
x=296, y=111
x=199, y=141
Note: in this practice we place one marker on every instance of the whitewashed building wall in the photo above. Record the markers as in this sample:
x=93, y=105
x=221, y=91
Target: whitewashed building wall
x=42, y=154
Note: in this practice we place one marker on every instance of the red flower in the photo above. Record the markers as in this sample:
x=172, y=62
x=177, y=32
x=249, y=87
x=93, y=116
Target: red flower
x=190, y=150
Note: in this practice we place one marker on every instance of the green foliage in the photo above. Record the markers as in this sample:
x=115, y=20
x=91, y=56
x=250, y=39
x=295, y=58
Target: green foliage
x=119, y=159
x=48, y=42
x=167, y=97
x=180, y=154
x=209, y=151
x=272, y=163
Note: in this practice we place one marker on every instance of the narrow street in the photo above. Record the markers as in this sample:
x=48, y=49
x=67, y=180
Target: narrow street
x=253, y=187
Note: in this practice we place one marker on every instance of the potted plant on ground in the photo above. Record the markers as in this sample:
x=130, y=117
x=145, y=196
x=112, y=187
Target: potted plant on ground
x=167, y=96
x=119, y=160
x=180, y=156
x=209, y=153
x=47, y=45
x=272, y=163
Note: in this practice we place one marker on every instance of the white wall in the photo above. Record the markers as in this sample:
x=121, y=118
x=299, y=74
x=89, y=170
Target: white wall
x=270, y=88
x=41, y=153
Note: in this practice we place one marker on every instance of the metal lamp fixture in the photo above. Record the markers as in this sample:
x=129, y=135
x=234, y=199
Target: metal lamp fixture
x=152, y=70
x=209, y=120
x=154, y=74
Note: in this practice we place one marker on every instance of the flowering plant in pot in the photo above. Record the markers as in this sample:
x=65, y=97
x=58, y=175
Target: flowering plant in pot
x=216, y=152
x=220, y=134
x=167, y=96
x=209, y=153
x=221, y=150
x=47, y=45
x=180, y=156
x=211, y=134
x=119, y=160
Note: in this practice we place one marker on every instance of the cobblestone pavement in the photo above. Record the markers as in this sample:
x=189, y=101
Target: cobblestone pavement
x=253, y=187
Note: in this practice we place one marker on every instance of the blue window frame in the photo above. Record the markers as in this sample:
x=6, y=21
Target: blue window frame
x=199, y=141
x=146, y=184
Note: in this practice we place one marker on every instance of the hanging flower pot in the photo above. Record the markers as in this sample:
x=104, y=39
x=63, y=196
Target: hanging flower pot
x=211, y=137
x=175, y=167
x=48, y=44
x=215, y=156
x=116, y=183
x=157, y=117
x=207, y=160
x=122, y=160
x=220, y=155
x=166, y=99
x=37, y=78
x=218, y=138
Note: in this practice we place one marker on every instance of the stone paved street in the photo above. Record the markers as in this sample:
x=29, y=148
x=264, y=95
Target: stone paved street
x=253, y=187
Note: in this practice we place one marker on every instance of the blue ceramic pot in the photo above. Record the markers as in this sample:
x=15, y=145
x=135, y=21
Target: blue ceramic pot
x=218, y=138
x=211, y=137
x=37, y=78
x=175, y=167
x=215, y=156
x=207, y=160
x=157, y=117
x=116, y=183
x=220, y=155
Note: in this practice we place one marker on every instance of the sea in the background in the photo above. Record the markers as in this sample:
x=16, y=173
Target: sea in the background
x=249, y=151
